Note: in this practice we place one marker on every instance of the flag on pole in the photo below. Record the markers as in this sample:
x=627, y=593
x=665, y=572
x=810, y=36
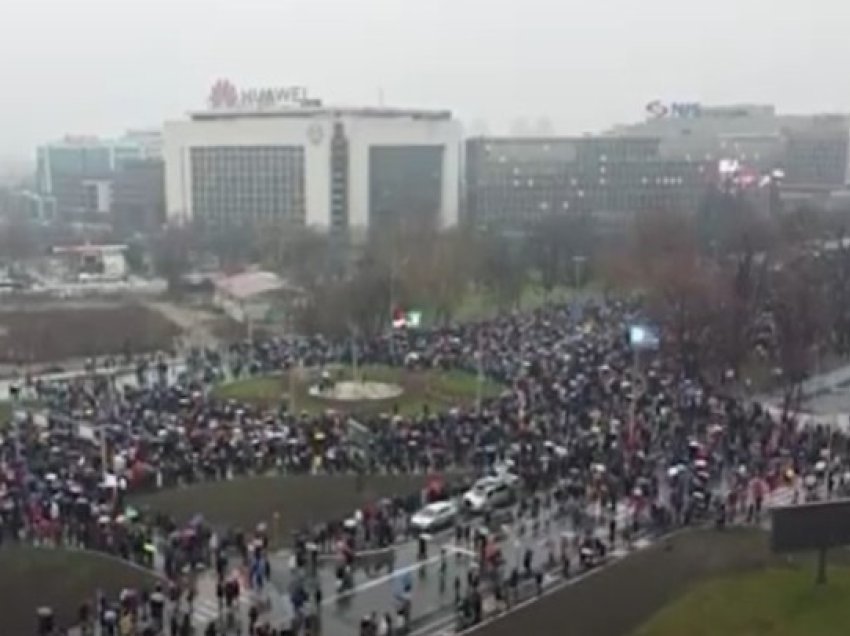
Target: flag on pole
x=406, y=319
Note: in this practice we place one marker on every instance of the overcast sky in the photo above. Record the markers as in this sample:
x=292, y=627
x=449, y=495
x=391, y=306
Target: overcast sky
x=100, y=66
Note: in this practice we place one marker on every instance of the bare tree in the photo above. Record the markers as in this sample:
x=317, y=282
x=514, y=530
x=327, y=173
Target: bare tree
x=554, y=243
x=502, y=268
x=172, y=254
x=797, y=305
x=19, y=239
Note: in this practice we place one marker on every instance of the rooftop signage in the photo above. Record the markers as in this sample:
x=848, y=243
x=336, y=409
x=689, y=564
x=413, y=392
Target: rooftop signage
x=683, y=110
x=224, y=95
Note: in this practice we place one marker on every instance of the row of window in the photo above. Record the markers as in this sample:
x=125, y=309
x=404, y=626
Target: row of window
x=264, y=183
x=484, y=206
x=603, y=181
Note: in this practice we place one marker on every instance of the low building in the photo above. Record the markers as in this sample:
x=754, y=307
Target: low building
x=811, y=149
x=513, y=181
x=255, y=297
x=138, y=195
x=93, y=262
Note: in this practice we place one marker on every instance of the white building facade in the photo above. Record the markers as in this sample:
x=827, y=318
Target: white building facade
x=323, y=167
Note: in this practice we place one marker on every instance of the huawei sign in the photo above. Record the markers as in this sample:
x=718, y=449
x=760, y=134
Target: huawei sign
x=223, y=94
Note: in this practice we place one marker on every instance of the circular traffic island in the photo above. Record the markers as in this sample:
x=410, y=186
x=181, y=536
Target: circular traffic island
x=372, y=390
x=355, y=391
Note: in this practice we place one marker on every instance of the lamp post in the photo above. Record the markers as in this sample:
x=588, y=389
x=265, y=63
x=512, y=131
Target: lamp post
x=641, y=337
x=578, y=263
x=479, y=387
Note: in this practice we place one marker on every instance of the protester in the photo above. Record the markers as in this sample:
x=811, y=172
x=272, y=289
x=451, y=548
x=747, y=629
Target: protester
x=578, y=421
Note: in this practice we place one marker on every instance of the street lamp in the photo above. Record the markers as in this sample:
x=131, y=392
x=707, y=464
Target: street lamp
x=641, y=338
x=578, y=262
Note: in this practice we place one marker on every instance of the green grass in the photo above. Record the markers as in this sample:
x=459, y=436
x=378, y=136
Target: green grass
x=267, y=389
x=780, y=601
x=439, y=390
x=61, y=579
x=461, y=384
x=296, y=499
x=480, y=304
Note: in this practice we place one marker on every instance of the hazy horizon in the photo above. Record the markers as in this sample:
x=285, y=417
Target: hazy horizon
x=101, y=66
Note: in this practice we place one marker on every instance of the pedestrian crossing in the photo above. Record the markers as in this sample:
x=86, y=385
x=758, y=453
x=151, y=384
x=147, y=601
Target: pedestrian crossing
x=205, y=609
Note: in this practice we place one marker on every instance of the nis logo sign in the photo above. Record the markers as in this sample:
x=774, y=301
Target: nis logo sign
x=224, y=94
x=685, y=110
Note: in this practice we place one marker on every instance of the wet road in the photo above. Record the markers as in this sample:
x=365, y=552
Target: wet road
x=432, y=581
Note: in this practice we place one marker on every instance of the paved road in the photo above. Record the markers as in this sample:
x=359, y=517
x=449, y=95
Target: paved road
x=432, y=595
x=432, y=602
x=445, y=625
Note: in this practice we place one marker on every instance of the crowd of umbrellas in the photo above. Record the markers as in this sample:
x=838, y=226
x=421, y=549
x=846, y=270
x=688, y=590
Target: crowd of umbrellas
x=576, y=414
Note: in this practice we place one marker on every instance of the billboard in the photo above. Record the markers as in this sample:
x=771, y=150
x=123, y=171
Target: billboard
x=811, y=526
x=643, y=337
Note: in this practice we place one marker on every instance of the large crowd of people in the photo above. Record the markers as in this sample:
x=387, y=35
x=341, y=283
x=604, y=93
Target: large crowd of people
x=579, y=417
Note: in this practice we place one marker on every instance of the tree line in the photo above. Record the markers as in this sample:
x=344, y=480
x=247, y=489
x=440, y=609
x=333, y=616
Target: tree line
x=741, y=295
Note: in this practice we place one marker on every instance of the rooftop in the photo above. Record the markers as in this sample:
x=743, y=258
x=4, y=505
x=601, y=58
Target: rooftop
x=319, y=112
x=249, y=284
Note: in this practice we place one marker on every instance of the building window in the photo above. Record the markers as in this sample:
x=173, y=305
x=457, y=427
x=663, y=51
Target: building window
x=248, y=183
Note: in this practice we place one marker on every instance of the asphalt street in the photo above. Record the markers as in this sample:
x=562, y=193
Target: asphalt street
x=432, y=594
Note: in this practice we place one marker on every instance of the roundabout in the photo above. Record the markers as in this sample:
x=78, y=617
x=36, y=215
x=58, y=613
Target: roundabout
x=375, y=389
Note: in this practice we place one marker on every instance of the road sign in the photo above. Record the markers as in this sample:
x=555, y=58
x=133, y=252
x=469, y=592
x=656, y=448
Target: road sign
x=812, y=526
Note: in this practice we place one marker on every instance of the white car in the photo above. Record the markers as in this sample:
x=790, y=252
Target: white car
x=435, y=516
x=489, y=493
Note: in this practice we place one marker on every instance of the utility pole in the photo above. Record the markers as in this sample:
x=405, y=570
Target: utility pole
x=354, y=358
x=479, y=388
x=578, y=261
x=392, y=297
